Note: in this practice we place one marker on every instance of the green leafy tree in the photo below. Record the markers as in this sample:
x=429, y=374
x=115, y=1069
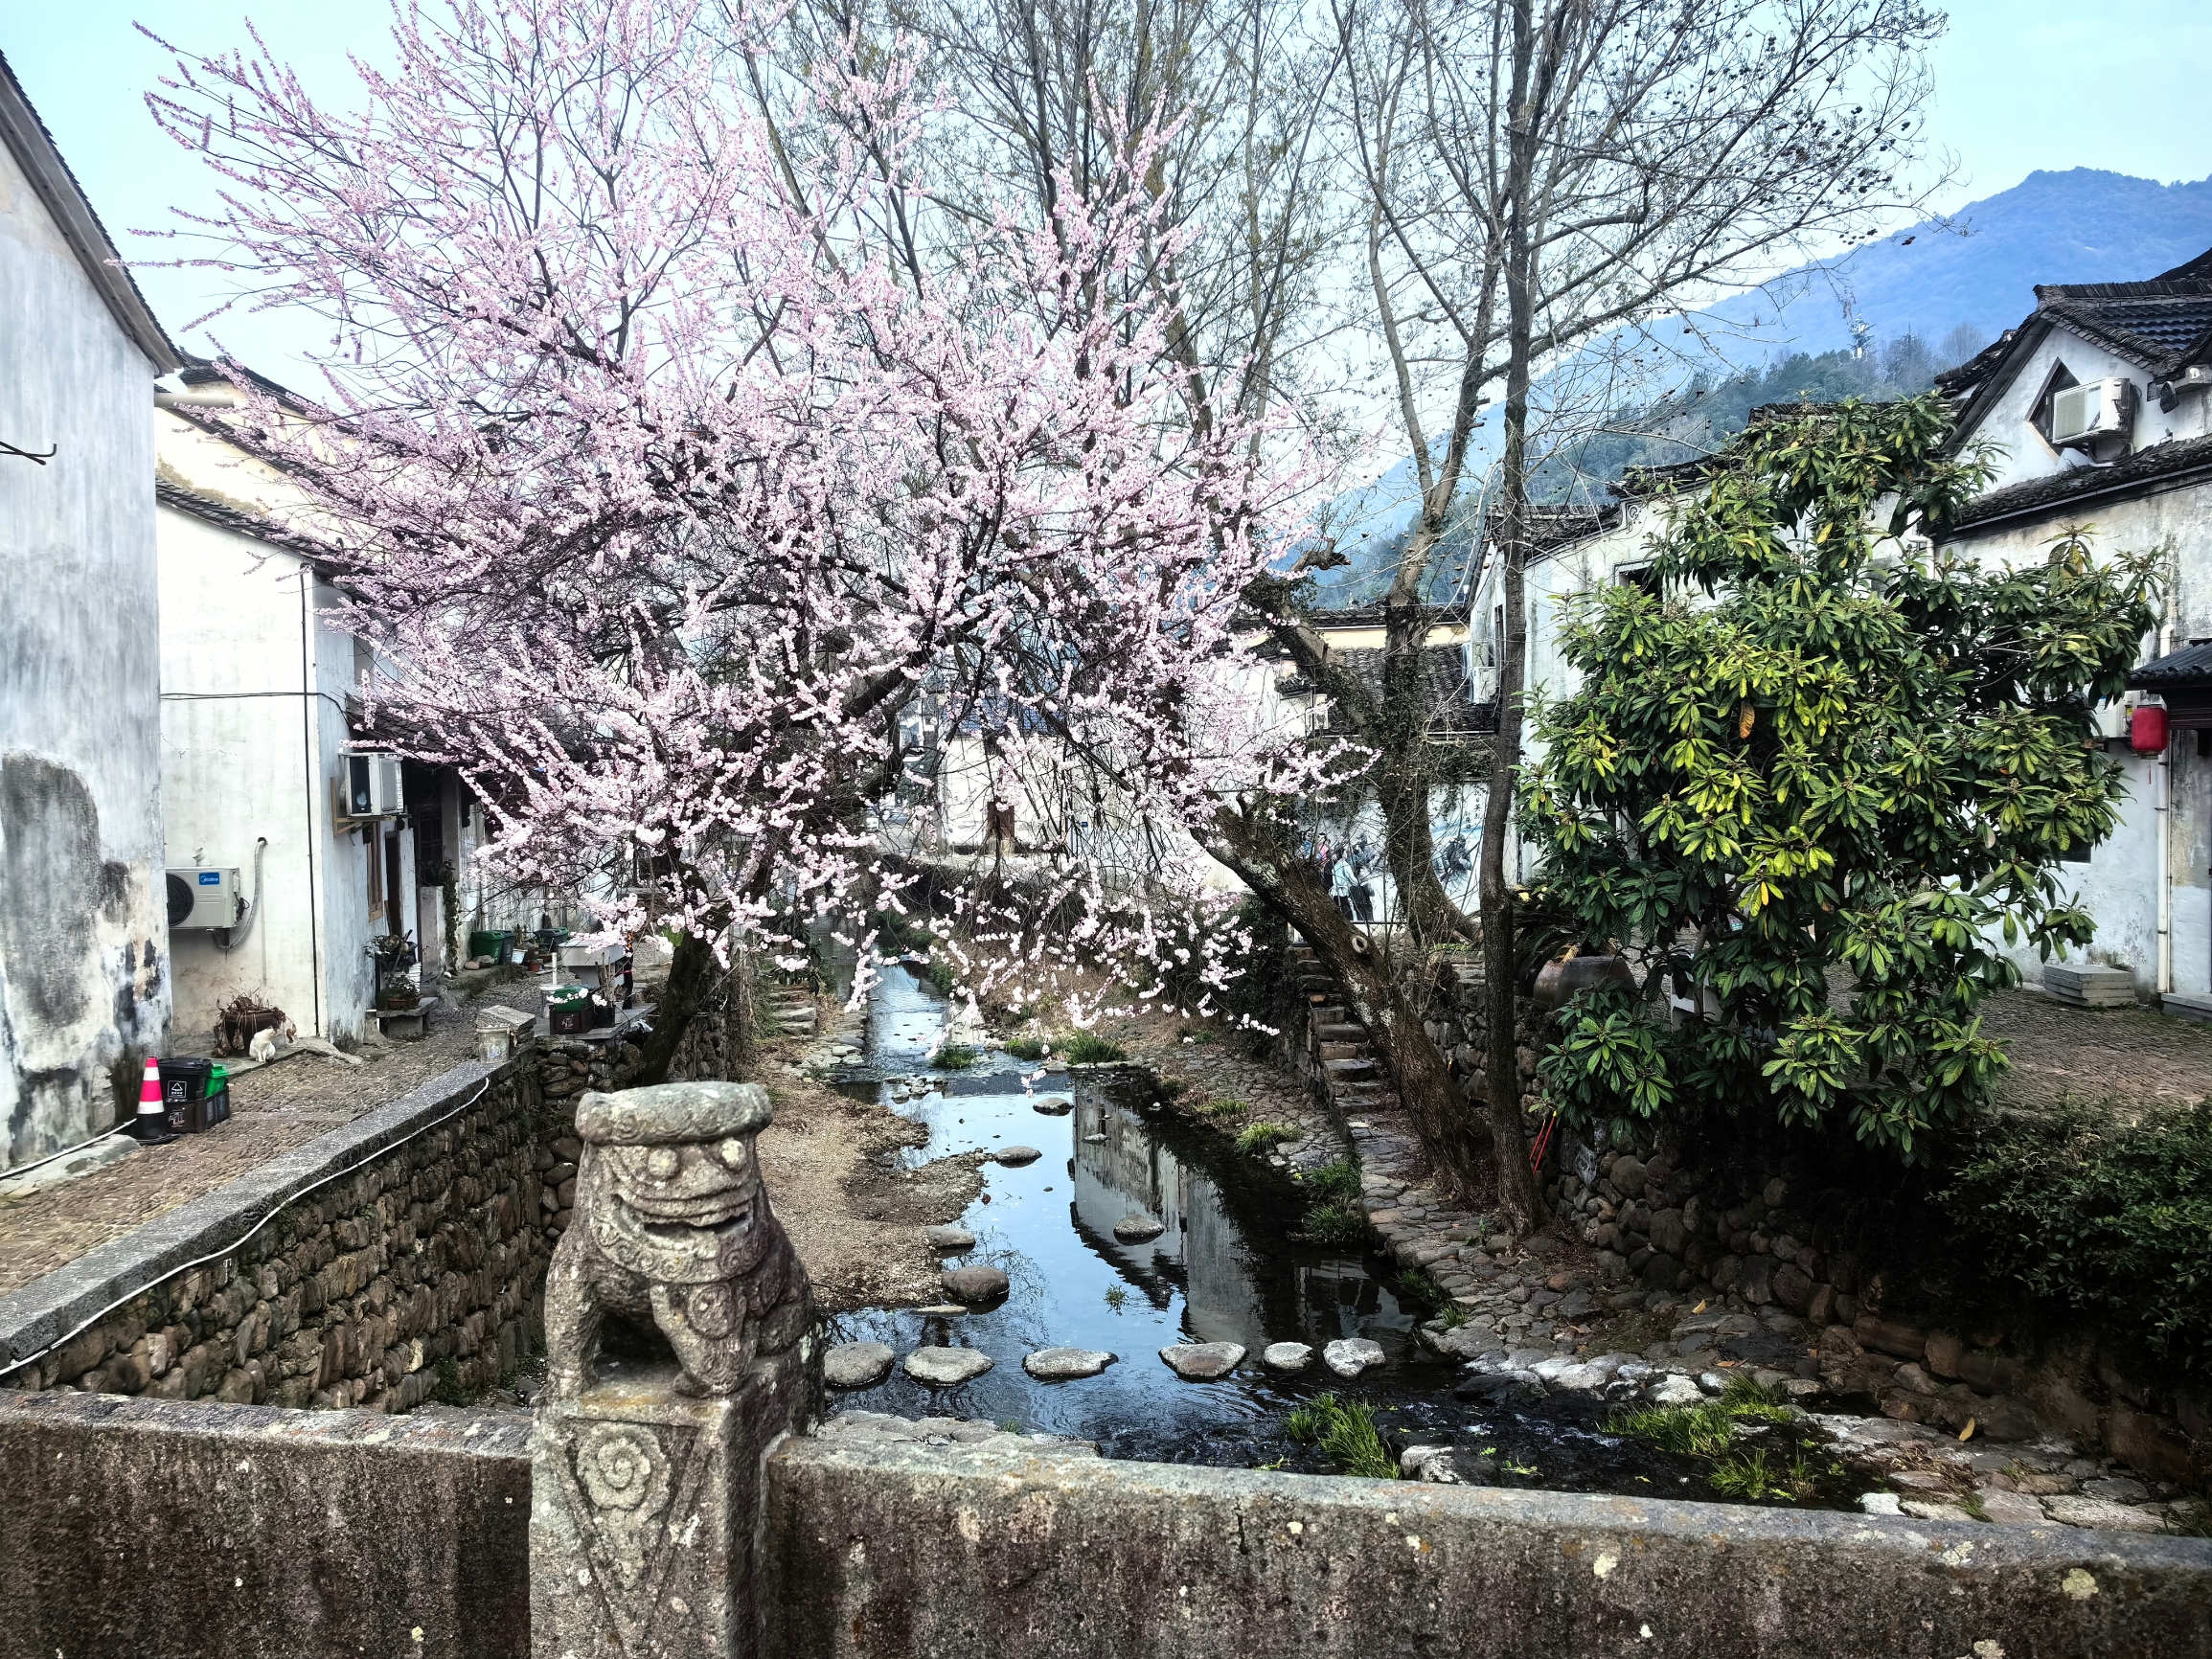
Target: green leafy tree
x=1831, y=756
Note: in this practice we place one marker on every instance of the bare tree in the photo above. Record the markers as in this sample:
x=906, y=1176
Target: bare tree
x=1539, y=175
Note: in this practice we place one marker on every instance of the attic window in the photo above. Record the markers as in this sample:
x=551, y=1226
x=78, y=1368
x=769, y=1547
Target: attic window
x=2040, y=417
x=1643, y=576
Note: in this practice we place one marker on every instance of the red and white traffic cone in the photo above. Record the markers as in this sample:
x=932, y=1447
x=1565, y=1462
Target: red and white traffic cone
x=151, y=1125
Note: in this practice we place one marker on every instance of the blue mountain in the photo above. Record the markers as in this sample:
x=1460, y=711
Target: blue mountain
x=1978, y=268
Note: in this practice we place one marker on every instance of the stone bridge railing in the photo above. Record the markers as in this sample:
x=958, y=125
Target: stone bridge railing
x=683, y=1511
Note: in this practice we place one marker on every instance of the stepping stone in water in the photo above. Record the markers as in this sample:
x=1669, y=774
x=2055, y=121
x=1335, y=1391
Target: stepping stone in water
x=857, y=1364
x=1203, y=1361
x=1137, y=1229
x=946, y=1366
x=978, y=1282
x=941, y=1310
x=1287, y=1356
x=1053, y=1105
x=1059, y=1364
x=1015, y=1157
x=949, y=1240
x=1349, y=1356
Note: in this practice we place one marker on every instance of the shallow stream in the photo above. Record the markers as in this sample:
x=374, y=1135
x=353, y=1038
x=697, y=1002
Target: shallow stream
x=1228, y=1267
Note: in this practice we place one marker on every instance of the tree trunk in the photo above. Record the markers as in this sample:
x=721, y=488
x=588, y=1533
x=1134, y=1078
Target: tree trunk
x=1419, y=1070
x=693, y=977
x=1403, y=782
x=1517, y=1197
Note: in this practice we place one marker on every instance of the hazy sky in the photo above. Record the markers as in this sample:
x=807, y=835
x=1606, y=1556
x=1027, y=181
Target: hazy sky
x=2021, y=84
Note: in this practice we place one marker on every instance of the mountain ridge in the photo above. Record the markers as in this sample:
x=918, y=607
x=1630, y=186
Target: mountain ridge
x=1977, y=267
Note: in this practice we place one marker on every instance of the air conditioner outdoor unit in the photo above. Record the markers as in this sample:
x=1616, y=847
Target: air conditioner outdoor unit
x=372, y=787
x=200, y=897
x=2080, y=414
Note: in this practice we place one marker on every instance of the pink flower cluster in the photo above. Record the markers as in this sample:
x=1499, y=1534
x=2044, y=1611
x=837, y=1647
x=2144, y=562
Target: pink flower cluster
x=678, y=447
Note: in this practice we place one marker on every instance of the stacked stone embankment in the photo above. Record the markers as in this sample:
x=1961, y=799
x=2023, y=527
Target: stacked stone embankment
x=401, y=1253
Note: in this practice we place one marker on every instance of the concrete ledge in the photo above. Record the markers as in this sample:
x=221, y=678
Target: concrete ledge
x=914, y=1549
x=156, y=1528
x=47, y=1308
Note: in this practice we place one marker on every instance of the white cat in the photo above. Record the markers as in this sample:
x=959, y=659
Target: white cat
x=263, y=1048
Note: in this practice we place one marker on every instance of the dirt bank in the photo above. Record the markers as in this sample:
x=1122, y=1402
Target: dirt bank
x=834, y=1178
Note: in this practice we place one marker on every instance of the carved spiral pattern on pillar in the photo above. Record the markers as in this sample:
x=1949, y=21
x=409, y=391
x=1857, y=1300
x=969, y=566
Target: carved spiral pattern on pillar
x=623, y=1467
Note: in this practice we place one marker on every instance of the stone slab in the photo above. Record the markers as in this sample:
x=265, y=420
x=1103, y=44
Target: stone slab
x=1033, y=1554
x=643, y=1503
x=173, y=1530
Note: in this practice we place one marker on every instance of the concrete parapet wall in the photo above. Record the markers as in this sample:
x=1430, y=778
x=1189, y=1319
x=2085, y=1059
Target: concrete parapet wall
x=920, y=1550
x=408, y=1242
x=156, y=1529
x=168, y=1531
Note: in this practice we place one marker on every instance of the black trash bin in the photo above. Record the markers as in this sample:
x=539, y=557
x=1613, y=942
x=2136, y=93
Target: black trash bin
x=184, y=1094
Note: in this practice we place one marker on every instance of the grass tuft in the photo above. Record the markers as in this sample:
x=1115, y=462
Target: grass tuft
x=956, y=1056
x=1266, y=1136
x=1028, y=1048
x=1222, y=1107
x=1089, y=1049
x=1345, y=1433
x=1333, y=1222
x=1706, y=1429
x=1338, y=1180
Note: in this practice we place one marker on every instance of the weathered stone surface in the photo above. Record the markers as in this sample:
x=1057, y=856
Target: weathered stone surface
x=1288, y=1357
x=946, y=1366
x=1185, y=1562
x=1582, y=1377
x=2157, y=1445
x=1063, y=1364
x=857, y=1364
x=1138, y=1229
x=1015, y=1157
x=2010, y=1509
x=2101, y=1513
x=1673, y=1390
x=1627, y=1175
x=978, y=1282
x=677, y=1228
x=948, y=1240
x=431, y=1531
x=1202, y=1361
x=1349, y=1356
x=1894, y=1336
x=643, y=1499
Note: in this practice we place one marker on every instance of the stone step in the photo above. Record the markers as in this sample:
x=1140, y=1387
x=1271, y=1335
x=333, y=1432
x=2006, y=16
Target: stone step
x=1340, y=1032
x=1327, y=1013
x=1345, y=1052
x=1349, y=1070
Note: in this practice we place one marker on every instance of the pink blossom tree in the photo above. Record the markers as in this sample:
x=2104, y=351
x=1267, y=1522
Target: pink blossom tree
x=677, y=445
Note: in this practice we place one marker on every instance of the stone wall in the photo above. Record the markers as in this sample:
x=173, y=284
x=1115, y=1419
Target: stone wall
x=1750, y=1238
x=403, y=1251
x=935, y=1548
x=158, y=1530
x=168, y=1530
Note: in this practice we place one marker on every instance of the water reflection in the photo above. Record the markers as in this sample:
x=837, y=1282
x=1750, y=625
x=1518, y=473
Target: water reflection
x=1225, y=1267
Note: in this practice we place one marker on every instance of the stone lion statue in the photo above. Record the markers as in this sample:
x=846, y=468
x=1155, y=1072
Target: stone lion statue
x=671, y=1223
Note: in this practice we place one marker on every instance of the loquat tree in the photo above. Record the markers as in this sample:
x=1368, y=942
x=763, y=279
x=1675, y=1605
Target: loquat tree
x=1810, y=787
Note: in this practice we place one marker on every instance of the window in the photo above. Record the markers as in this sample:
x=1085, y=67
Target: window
x=1643, y=576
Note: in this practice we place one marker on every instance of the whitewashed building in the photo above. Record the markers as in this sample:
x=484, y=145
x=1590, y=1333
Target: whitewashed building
x=2099, y=407
x=261, y=771
x=84, y=969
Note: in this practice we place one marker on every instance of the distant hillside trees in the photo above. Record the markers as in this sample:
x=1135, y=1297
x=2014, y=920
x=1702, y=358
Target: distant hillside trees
x=1705, y=414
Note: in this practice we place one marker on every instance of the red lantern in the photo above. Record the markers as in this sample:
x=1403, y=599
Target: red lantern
x=2147, y=729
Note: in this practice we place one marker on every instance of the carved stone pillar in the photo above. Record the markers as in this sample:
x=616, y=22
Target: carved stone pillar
x=645, y=1485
